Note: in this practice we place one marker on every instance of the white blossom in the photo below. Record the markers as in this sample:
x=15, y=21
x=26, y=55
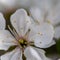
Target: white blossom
x=50, y=15
x=25, y=33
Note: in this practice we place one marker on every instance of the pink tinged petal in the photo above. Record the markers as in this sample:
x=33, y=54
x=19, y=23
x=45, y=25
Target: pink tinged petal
x=57, y=32
x=6, y=40
x=37, y=14
x=31, y=54
x=20, y=21
x=14, y=55
x=2, y=22
x=41, y=34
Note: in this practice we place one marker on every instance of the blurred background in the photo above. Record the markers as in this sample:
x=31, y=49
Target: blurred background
x=8, y=7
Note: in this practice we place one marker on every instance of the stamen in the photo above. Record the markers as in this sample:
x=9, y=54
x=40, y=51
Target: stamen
x=31, y=43
x=13, y=33
x=21, y=41
x=27, y=33
x=10, y=30
x=16, y=34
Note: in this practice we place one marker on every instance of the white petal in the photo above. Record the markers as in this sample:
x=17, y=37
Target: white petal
x=2, y=22
x=6, y=40
x=37, y=14
x=14, y=55
x=42, y=54
x=42, y=34
x=20, y=21
x=54, y=16
x=45, y=4
x=31, y=54
x=46, y=45
x=57, y=32
x=35, y=54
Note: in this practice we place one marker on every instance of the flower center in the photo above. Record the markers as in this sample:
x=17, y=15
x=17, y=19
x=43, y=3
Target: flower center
x=23, y=43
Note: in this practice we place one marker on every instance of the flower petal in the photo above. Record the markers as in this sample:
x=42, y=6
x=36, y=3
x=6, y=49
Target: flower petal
x=6, y=40
x=45, y=4
x=54, y=15
x=42, y=54
x=46, y=45
x=20, y=21
x=42, y=34
x=57, y=32
x=37, y=14
x=2, y=22
x=31, y=54
x=14, y=55
x=34, y=54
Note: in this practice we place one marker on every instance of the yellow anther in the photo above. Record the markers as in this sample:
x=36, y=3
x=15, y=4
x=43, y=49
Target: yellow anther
x=21, y=41
x=25, y=42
